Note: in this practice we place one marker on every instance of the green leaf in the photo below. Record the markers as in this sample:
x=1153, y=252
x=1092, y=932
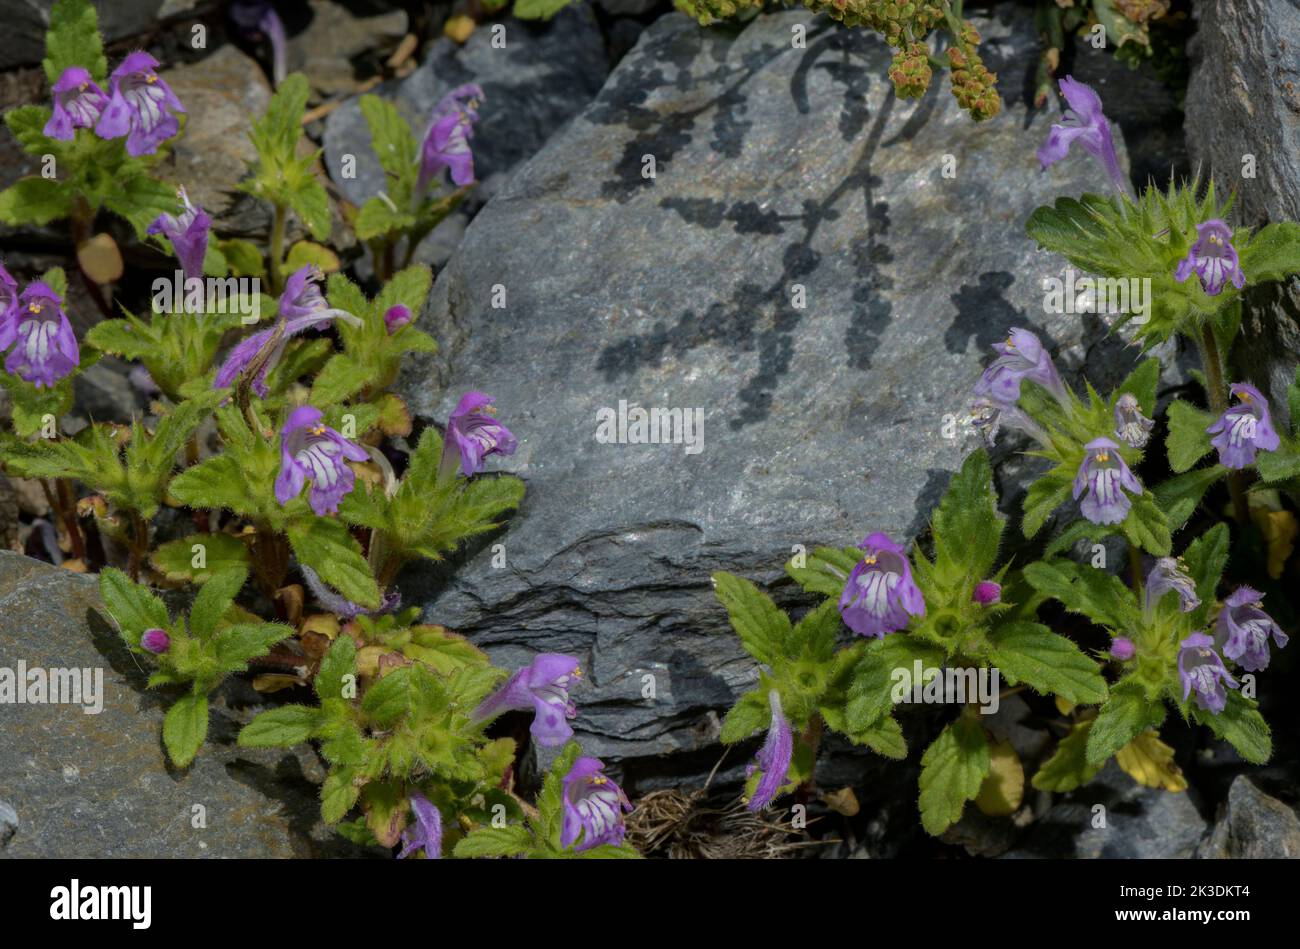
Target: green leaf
x=73, y=40
x=1147, y=527
x=238, y=644
x=340, y=661
x=1272, y=254
x=967, y=527
x=1044, y=496
x=390, y=137
x=750, y=713
x=342, y=377
x=219, y=482
x=140, y=199
x=243, y=258
x=280, y=727
x=306, y=252
x=1098, y=595
x=874, y=678
x=185, y=727
x=214, y=599
x=509, y=841
x=1280, y=465
x=327, y=547
x=1049, y=663
x=337, y=795
x=131, y=604
x=1205, y=559
x=539, y=9
x=1240, y=725
x=763, y=628
x=214, y=554
x=952, y=770
x=825, y=570
x=1068, y=768
x=1188, y=441
x=1125, y=715
x=34, y=200
x=1179, y=496
x=390, y=698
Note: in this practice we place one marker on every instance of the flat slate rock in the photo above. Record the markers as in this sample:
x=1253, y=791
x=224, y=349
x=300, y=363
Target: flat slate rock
x=74, y=784
x=775, y=167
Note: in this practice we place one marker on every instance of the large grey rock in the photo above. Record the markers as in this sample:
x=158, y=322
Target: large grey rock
x=776, y=167
x=1253, y=824
x=22, y=41
x=1243, y=99
x=1113, y=816
x=96, y=785
x=543, y=76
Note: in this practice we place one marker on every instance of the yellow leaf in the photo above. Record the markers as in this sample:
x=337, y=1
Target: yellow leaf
x=1004, y=788
x=1063, y=706
x=100, y=259
x=1279, y=530
x=458, y=28
x=274, y=682
x=327, y=624
x=1150, y=762
x=843, y=801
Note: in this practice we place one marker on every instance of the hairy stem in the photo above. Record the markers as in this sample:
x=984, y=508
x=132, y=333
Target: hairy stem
x=276, y=249
x=139, y=544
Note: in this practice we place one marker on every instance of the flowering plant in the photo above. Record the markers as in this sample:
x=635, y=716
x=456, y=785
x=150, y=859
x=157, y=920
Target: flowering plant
x=277, y=475
x=1180, y=637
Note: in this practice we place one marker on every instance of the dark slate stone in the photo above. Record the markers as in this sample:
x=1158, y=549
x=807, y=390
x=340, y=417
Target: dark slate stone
x=22, y=42
x=543, y=76
x=97, y=785
x=775, y=167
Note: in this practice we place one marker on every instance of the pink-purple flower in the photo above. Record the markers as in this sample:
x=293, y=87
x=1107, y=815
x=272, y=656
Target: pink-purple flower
x=155, y=641
x=1167, y=574
x=473, y=433
x=1244, y=429
x=446, y=144
x=1122, y=648
x=426, y=833
x=542, y=686
x=1084, y=124
x=395, y=317
x=78, y=104
x=880, y=595
x=773, y=759
x=8, y=296
x=46, y=349
x=1131, y=426
x=1243, y=629
x=1201, y=670
x=302, y=306
x=1021, y=357
x=987, y=592
x=140, y=106
x=989, y=416
x=256, y=19
x=312, y=451
x=1212, y=258
x=1102, y=478
x=592, y=806
x=188, y=232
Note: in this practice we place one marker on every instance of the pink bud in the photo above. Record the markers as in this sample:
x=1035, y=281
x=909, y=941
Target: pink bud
x=1122, y=648
x=155, y=641
x=396, y=317
x=986, y=592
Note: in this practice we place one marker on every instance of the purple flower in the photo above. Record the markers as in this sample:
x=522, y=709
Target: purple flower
x=1102, y=475
x=340, y=605
x=260, y=18
x=1122, y=648
x=47, y=348
x=880, y=594
x=1202, y=671
x=78, y=102
x=987, y=592
x=988, y=416
x=1243, y=429
x=446, y=144
x=8, y=298
x=155, y=641
x=1169, y=574
x=425, y=833
x=188, y=232
x=138, y=106
x=593, y=806
x=1021, y=357
x=773, y=759
x=1084, y=124
x=543, y=686
x=1243, y=628
x=1131, y=426
x=302, y=306
x=1212, y=258
x=395, y=317
x=309, y=449
x=472, y=434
